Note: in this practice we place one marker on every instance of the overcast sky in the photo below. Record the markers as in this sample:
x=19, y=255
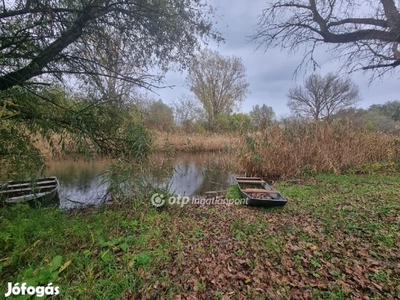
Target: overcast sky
x=270, y=74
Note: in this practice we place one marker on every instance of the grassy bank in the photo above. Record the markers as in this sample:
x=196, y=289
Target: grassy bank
x=337, y=238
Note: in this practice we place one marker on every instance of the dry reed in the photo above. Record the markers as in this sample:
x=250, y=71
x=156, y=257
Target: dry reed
x=300, y=148
x=195, y=141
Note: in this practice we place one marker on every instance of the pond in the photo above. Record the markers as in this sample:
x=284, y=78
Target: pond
x=84, y=183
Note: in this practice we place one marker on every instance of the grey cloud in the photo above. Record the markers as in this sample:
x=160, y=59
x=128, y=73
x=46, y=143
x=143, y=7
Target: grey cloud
x=270, y=73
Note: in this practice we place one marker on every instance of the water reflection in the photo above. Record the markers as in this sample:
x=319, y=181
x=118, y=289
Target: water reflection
x=83, y=183
x=194, y=174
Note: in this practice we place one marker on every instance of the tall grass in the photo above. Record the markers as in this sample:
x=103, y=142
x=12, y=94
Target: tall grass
x=297, y=148
x=196, y=142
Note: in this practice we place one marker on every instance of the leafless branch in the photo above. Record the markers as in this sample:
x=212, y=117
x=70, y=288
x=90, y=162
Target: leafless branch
x=367, y=41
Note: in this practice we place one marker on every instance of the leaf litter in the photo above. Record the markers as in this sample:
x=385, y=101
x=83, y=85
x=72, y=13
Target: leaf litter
x=306, y=250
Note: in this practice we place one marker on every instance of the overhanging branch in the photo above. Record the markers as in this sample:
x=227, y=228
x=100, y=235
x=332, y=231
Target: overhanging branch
x=36, y=66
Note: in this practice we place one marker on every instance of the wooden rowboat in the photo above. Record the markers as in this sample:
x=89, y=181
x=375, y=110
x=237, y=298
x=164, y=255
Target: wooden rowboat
x=41, y=192
x=258, y=193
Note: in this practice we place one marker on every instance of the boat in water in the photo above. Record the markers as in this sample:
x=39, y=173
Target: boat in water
x=39, y=192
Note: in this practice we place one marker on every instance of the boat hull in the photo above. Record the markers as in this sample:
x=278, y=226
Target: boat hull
x=257, y=192
x=42, y=192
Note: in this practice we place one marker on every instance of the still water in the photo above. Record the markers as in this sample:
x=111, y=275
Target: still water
x=84, y=183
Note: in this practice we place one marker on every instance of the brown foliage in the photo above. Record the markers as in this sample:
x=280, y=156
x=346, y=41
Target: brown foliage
x=290, y=258
x=294, y=149
x=195, y=141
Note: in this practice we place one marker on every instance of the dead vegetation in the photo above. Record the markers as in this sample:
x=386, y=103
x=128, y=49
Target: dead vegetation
x=303, y=251
x=298, y=148
x=196, y=142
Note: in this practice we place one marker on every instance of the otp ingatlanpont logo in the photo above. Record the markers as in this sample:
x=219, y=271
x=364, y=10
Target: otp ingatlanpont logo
x=158, y=200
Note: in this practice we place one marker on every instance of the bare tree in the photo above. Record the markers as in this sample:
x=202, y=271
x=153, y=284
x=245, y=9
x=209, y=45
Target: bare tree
x=363, y=34
x=187, y=109
x=322, y=97
x=218, y=82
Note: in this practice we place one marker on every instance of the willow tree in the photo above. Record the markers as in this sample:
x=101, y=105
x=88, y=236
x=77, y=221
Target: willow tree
x=218, y=82
x=88, y=43
x=47, y=121
x=55, y=37
x=362, y=34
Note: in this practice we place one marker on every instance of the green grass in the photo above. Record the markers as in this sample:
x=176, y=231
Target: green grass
x=233, y=192
x=102, y=246
x=337, y=237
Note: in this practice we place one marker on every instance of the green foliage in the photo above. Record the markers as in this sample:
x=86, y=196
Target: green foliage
x=142, y=259
x=261, y=116
x=48, y=119
x=107, y=50
x=237, y=122
x=160, y=116
x=44, y=274
x=17, y=238
x=390, y=109
x=251, y=143
x=17, y=156
x=233, y=192
x=98, y=248
x=139, y=34
x=338, y=232
x=240, y=122
x=218, y=82
x=378, y=117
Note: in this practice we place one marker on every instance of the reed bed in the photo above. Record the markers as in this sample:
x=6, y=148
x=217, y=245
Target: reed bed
x=195, y=142
x=298, y=148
